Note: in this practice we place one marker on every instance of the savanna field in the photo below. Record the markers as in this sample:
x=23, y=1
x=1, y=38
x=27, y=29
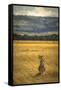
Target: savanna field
x=26, y=61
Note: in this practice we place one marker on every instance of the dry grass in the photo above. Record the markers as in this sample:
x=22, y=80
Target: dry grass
x=26, y=61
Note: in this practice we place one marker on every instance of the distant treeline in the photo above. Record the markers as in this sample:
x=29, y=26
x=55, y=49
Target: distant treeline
x=53, y=37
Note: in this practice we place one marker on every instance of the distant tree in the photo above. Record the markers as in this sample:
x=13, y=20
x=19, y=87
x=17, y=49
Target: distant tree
x=35, y=37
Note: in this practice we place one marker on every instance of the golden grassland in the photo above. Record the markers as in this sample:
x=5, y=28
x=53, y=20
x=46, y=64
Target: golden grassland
x=26, y=61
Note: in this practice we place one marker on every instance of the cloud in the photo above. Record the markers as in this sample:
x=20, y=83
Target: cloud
x=35, y=11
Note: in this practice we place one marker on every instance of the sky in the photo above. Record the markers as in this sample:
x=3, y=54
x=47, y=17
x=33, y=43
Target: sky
x=35, y=11
x=38, y=25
